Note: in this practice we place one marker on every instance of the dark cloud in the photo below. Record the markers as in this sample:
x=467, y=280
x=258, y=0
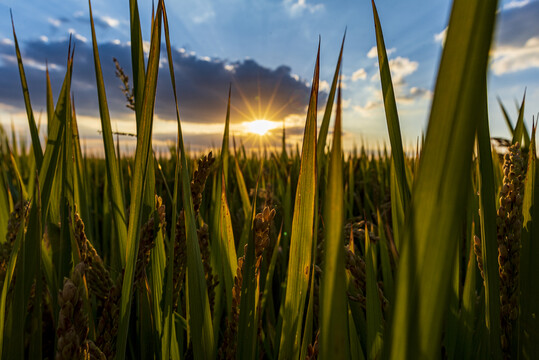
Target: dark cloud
x=517, y=25
x=202, y=84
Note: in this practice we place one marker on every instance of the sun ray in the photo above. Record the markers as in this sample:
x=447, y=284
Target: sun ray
x=260, y=127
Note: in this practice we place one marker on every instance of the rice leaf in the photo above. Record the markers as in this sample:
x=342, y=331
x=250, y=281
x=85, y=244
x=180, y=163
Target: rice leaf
x=248, y=317
x=529, y=283
x=142, y=155
x=307, y=331
x=36, y=143
x=387, y=271
x=137, y=58
x=229, y=258
x=519, y=127
x=324, y=127
x=50, y=101
x=392, y=117
x=469, y=311
x=113, y=177
x=28, y=266
x=375, y=326
x=506, y=117
x=334, y=303
x=4, y=207
x=489, y=242
x=427, y=259
x=199, y=314
x=301, y=241
x=54, y=142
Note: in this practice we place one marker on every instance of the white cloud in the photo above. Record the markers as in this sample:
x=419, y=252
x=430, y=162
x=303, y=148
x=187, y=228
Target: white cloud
x=146, y=46
x=369, y=105
x=110, y=21
x=373, y=52
x=204, y=17
x=6, y=41
x=54, y=22
x=405, y=96
x=323, y=86
x=359, y=74
x=300, y=6
x=515, y=4
x=31, y=63
x=509, y=58
x=401, y=67
x=77, y=35
x=440, y=37
x=44, y=38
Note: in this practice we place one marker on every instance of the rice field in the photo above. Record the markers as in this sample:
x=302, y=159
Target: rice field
x=313, y=253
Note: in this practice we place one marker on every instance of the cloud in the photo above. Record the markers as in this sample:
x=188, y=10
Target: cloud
x=77, y=36
x=324, y=86
x=409, y=96
x=516, y=25
x=202, y=85
x=299, y=7
x=55, y=22
x=400, y=68
x=369, y=105
x=102, y=21
x=111, y=22
x=204, y=17
x=359, y=74
x=440, y=37
x=515, y=4
x=373, y=52
x=517, y=43
x=508, y=59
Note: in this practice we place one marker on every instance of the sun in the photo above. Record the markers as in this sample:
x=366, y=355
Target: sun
x=260, y=127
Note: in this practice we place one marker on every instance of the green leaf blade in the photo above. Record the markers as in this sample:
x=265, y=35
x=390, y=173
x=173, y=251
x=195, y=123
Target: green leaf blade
x=334, y=337
x=426, y=264
x=301, y=241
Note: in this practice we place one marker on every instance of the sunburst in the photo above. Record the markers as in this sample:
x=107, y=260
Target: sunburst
x=260, y=126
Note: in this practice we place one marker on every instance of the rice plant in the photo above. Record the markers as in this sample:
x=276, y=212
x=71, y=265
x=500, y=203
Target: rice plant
x=281, y=255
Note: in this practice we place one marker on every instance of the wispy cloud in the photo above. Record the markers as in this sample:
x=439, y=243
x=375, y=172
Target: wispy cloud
x=517, y=24
x=400, y=68
x=440, y=37
x=204, y=17
x=359, y=74
x=373, y=52
x=509, y=59
x=323, y=86
x=77, y=36
x=54, y=22
x=516, y=4
x=368, y=107
x=299, y=7
x=112, y=22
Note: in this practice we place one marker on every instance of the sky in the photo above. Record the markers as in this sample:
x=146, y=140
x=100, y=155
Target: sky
x=266, y=51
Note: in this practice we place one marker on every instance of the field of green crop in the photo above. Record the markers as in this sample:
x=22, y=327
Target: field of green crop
x=281, y=255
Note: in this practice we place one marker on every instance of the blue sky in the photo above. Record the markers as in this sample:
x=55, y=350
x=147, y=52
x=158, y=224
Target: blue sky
x=267, y=50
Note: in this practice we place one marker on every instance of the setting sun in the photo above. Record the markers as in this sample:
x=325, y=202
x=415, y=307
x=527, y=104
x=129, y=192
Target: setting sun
x=260, y=127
